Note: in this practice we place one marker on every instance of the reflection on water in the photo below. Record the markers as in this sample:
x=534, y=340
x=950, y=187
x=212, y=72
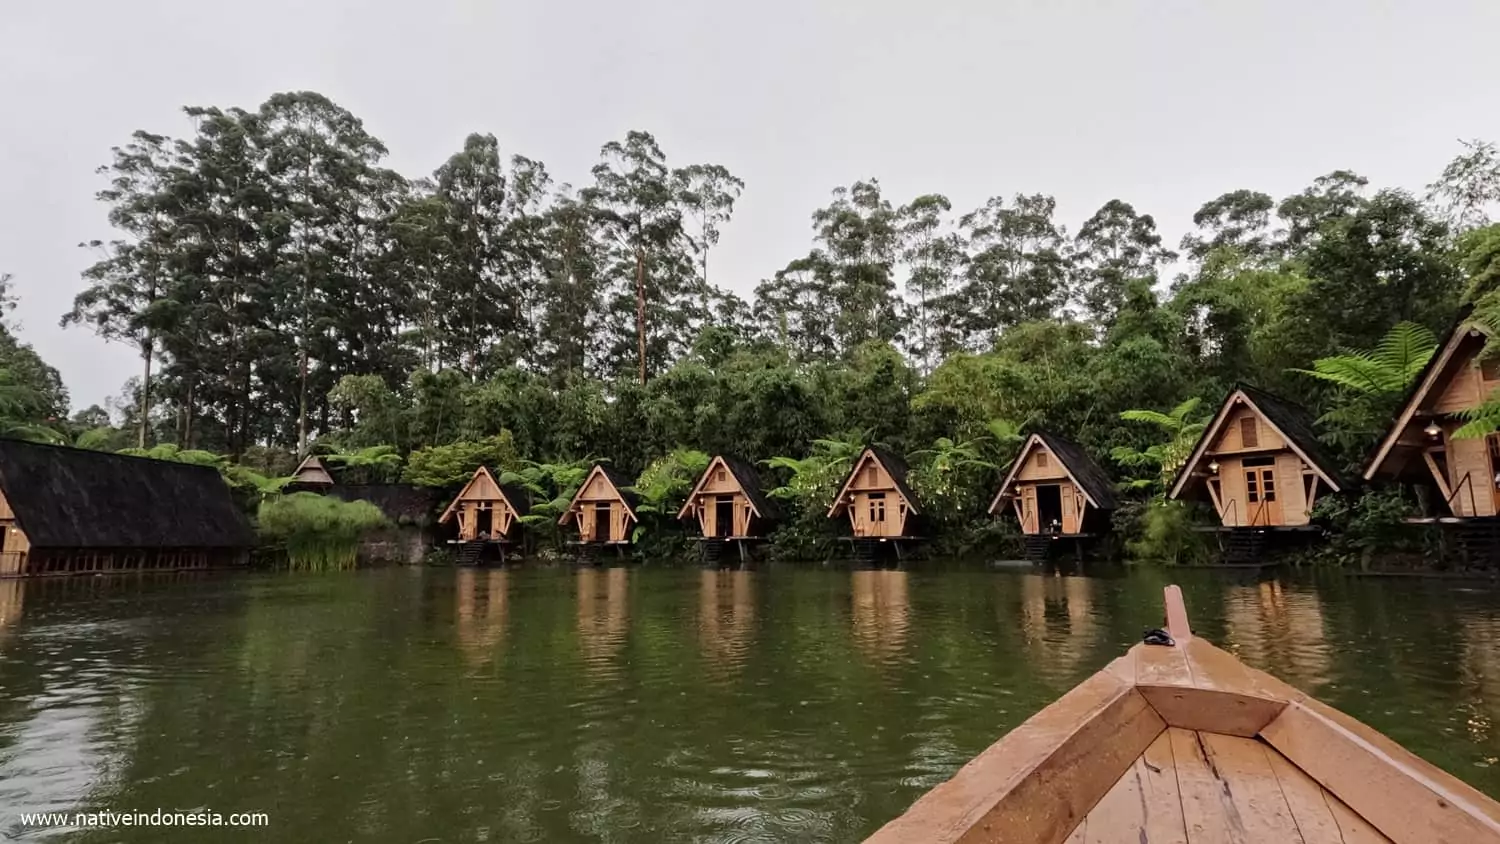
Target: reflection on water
x=603, y=617
x=726, y=616
x=1278, y=630
x=881, y=613
x=644, y=704
x=481, y=602
x=1058, y=621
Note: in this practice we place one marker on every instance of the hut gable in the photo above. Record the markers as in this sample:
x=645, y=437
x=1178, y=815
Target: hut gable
x=505, y=504
x=1048, y=457
x=73, y=498
x=1260, y=462
x=876, y=496
x=604, y=508
x=735, y=486
x=312, y=473
x=1421, y=447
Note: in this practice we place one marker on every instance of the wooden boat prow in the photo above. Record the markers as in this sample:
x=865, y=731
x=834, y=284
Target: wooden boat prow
x=1184, y=744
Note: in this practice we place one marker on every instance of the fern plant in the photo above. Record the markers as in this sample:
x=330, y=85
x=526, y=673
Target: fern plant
x=1369, y=385
x=1181, y=428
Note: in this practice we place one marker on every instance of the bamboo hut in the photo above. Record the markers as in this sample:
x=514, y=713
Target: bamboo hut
x=1058, y=494
x=311, y=475
x=730, y=507
x=488, y=516
x=1459, y=476
x=71, y=511
x=880, y=505
x=602, y=511
x=1260, y=465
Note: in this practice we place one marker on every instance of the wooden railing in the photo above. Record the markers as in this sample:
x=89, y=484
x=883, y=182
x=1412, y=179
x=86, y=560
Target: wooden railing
x=1468, y=481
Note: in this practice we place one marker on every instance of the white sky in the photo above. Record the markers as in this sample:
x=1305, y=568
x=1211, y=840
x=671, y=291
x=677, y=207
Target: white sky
x=1162, y=103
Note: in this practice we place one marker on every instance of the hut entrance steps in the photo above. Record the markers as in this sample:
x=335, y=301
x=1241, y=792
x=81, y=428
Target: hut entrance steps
x=470, y=553
x=1038, y=547
x=711, y=551
x=1478, y=542
x=1245, y=545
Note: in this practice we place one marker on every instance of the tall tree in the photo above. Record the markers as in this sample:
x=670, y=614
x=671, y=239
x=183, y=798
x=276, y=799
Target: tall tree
x=1469, y=187
x=1113, y=248
x=934, y=257
x=1018, y=265
x=1238, y=220
x=857, y=242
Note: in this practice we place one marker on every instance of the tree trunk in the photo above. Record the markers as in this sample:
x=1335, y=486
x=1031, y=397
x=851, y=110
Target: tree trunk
x=640, y=307
x=302, y=361
x=146, y=346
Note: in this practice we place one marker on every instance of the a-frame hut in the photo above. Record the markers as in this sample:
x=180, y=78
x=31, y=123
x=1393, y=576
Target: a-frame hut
x=1056, y=491
x=729, y=505
x=728, y=501
x=876, y=497
x=311, y=475
x=68, y=510
x=486, y=512
x=1420, y=448
x=603, y=509
x=1259, y=463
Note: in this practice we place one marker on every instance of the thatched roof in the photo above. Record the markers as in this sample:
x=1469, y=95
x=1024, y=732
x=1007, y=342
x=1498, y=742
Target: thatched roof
x=73, y=498
x=399, y=502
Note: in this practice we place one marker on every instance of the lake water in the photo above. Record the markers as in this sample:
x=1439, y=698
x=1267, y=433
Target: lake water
x=643, y=704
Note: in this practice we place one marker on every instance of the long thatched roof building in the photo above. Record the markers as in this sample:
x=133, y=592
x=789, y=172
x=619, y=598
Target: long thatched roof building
x=72, y=510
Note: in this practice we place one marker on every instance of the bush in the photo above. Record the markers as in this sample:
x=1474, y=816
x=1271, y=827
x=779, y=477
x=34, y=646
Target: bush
x=1162, y=532
x=319, y=533
x=1361, y=527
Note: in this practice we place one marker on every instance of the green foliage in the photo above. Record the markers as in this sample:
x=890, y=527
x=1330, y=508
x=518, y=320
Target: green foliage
x=319, y=533
x=372, y=464
x=1369, y=386
x=448, y=465
x=1163, y=532
x=1365, y=525
x=1181, y=427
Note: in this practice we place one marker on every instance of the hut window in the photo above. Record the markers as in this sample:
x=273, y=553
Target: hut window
x=870, y=475
x=719, y=475
x=1252, y=490
x=1249, y=436
x=1041, y=459
x=1489, y=367
x=877, y=507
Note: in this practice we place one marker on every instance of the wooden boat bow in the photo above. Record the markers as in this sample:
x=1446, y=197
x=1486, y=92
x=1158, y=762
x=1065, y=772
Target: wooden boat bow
x=1185, y=744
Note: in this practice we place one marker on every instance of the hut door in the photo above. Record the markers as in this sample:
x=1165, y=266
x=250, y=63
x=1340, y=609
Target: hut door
x=586, y=522
x=604, y=523
x=1262, y=503
x=1069, y=509
x=879, y=515
x=1029, y=521
x=724, y=516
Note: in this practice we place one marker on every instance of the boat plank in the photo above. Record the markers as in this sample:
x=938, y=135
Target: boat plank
x=1143, y=806
x=1229, y=794
x=1157, y=665
x=1230, y=713
x=1177, y=617
x=1407, y=799
x=1217, y=669
x=1041, y=779
x=1353, y=828
x=1306, y=799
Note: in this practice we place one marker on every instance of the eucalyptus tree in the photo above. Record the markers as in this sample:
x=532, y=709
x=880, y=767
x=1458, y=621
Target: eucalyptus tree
x=1017, y=268
x=1468, y=189
x=316, y=155
x=934, y=256
x=1239, y=220
x=127, y=283
x=1328, y=199
x=857, y=237
x=1114, y=247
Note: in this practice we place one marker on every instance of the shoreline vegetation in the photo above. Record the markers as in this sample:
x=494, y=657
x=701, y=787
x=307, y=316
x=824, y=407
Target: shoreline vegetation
x=288, y=294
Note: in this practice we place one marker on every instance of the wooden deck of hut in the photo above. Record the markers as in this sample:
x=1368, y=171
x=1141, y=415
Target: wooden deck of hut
x=1058, y=494
x=1260, y=465
x=731, y=508
x=882, y=509
x=602, y=511
x=1460, y=475
x=72, y=511
x=488, y=514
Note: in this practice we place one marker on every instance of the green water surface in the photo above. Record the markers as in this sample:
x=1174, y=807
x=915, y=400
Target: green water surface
x=643, y=704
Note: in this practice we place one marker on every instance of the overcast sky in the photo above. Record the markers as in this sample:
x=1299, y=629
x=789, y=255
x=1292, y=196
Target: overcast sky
x=1163, y=103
